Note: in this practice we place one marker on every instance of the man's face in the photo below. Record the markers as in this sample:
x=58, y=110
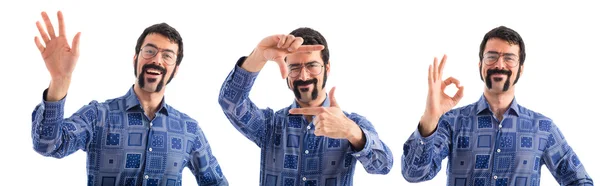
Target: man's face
x=500, y=65
x=155, y=63
x=306, y=75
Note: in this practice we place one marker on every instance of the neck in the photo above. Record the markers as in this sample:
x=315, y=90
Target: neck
x=313, y=103
x=150, y=101
x=499, y=102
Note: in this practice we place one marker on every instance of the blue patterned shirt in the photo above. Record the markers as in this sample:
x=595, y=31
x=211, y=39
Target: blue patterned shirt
x=123, y=146
x=487, y=152
x=291, y=154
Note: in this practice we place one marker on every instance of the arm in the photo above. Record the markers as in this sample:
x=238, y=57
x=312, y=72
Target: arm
x=203, y=164
x=55, y=136
x=561, y=160
x=422, y=157
x=375, y=156
x=234, y=99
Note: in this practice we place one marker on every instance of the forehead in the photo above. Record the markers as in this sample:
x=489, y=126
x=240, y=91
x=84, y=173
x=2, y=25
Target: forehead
x=303, y=57
x=501, y=46
x=160, y=41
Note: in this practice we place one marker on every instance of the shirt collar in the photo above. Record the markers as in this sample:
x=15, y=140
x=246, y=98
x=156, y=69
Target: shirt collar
x=132, y=102
x=483, y=105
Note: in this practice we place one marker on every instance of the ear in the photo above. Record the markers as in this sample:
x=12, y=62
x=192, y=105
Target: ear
x=176, y=70
x=522, y=69
x=328, y=67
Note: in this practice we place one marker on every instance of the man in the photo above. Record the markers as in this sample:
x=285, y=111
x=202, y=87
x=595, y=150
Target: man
x=494, y=141
x=311, y=142
x=136, y=139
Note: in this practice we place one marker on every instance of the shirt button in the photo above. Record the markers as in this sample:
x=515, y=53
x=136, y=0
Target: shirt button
x=150, y=123
x=150, y=149
x=422, y=143
x=498, y=150
x=308, y=127
x=303, y=178
x=495, y=177
x=306, y=152
x=500, y=125
x=146, y=177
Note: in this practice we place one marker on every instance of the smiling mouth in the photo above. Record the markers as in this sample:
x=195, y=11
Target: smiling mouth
x=153, y=72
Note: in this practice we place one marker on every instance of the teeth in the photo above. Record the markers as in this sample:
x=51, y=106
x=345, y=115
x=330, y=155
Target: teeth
x=153, y=71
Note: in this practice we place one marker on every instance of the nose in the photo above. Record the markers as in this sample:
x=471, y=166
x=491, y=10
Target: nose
x=500, y=63
x=157, y=59
x=304, y=75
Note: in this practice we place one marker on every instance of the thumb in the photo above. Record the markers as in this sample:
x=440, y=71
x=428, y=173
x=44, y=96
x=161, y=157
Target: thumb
x=332, y=101
x=282, y=66
x=75, y=45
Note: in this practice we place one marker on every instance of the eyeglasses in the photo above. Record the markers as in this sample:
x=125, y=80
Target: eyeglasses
x=313, y=68
x=168, y=56
x=509, y=59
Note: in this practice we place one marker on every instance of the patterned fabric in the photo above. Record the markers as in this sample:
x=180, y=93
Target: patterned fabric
x=123, y=146
x=291, y=155
x=483, y=151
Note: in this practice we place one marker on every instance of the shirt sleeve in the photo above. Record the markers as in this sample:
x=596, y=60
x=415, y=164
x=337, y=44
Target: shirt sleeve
x=203, y=164
x=56, y=136
x=560, y=158
x=422, y=156
x=245, y=116
x=375, y=156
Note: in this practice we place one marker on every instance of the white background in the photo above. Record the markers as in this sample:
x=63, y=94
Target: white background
x=379, y=57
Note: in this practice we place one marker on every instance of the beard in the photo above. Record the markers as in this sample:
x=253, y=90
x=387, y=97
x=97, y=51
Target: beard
x=297, y=83
x=142, y=78
x=488, y=78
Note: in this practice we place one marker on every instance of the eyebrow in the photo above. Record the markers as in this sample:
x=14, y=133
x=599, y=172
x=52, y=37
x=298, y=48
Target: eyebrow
x=298, y=64
x=153, y=45
x=498, y=53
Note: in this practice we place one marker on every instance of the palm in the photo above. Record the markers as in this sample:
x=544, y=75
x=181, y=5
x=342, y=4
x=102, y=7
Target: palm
x=439, y=102
x=59, y=57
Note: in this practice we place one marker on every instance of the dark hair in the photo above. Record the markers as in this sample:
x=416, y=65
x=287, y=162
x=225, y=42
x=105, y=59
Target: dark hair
x=506, y=34
x=313, y=37
x=166, y=30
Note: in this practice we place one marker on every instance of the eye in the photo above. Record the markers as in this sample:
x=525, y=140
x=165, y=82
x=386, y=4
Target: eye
x=168, y=55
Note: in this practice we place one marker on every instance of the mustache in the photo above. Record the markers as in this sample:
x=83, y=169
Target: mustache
x=153, y=66
x=498, y=71
x=301, y=83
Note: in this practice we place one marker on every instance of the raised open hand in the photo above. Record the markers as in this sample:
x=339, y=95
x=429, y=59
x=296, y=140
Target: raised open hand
x=60, y=58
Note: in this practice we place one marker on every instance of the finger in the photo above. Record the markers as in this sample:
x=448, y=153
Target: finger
x=441, y=67
x=459, y=94
x=319, y=133
x=39, y=44
x=451, y=80
x=430, y=75
x=435, y=70
x=282, y=67
x=75, y=45
x=49, y=26
x=307, y=111
x=296, y=44
x=310, y=48
x=288, y=42
x=42, y=32
x=332, y=101
x=282, y=39
x=61, y=24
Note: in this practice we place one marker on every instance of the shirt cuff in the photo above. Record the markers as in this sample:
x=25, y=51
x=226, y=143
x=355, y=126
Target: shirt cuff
x=424, y=140
x=53, y=110
x=241, y=78
x=367, y=149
